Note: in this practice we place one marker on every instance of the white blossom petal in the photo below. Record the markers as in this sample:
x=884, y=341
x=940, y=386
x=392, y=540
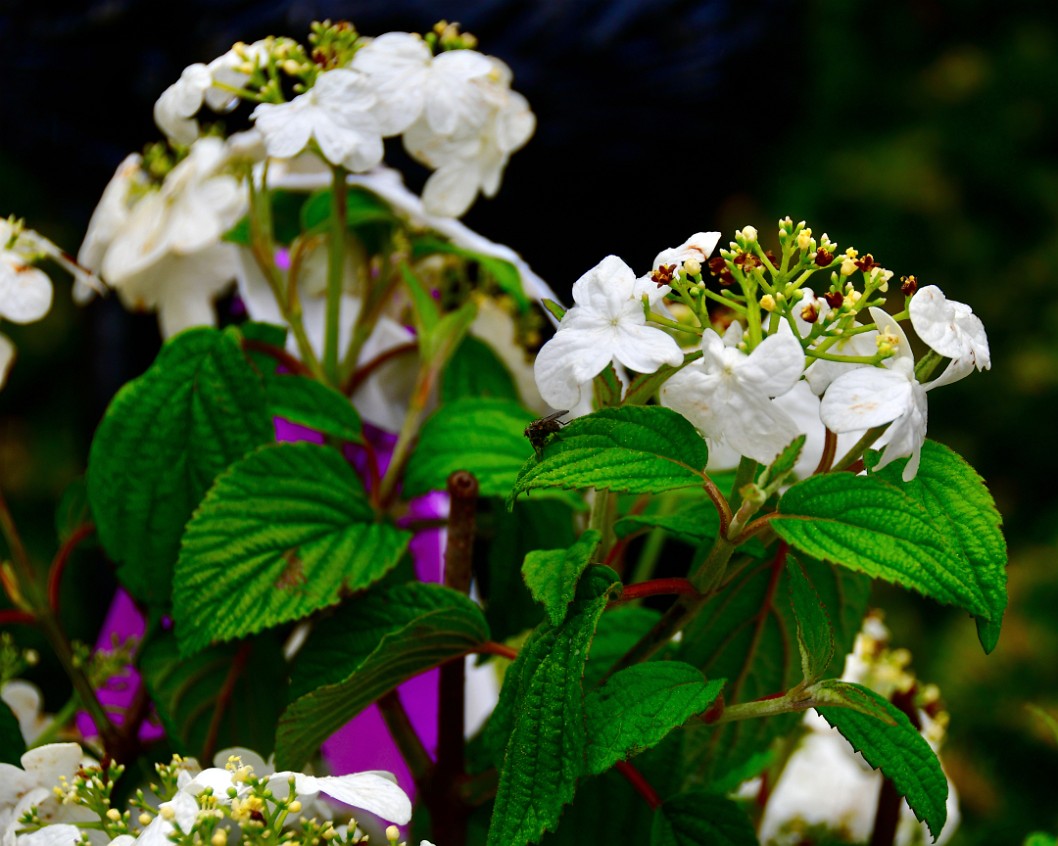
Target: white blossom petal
x=370, y=791
x=25, y=291
x=174, y=111
x=864, y=398
x=950, y=327
x=58, y=834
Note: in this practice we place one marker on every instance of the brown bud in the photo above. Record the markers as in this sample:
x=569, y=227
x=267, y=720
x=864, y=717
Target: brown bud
x=717, y=265
x=663, y=275
x=823, y=258
x=909, y=286
x=834, y=298
x=810, y=313
x=867, y=263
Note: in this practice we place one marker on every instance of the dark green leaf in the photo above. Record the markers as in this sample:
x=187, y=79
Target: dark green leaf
x=545, y=706
x=955, y=499
x=224, y=696
x=552, y=574
x=163, y=440
x=701, y=819
x=426, y=311
x=263, y=333
x=310, y=403
x=815, y=635
x=484, y=436
x=901, y=753
x=361, y=208
x=475, y=371
x=12, y=746
x=74, y=510
x=748, y=635
x=867, y=524
x=286, y=216
x=783, y=464
x=632, y=449
x=282, y=534
x=639, y=706
x=377, y=641
x=848, y=695
x=606, y=388
x=618, y=631
x=693, y=522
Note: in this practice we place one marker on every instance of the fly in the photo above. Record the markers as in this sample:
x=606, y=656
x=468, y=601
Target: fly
x=540, y=430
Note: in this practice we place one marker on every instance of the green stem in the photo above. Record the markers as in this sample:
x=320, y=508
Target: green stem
x=793, y=700
x=653, y=317
x=335, y=272
x=858, y=448
x=601, y=518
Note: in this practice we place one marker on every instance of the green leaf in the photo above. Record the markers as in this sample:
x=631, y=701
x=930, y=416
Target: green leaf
x=867, y=524
x=426, y=312
x=361, y=208
x=552, y=574
x=606, y=388
x=693, y=522
x=849, y=695
x=163, y=440
x=264, y=333
x=631, y=449
x=542, y=698
x=502, y=273
x=310, y=403
x=224, y=696
x=783, y=464
x=282, y=534
x=815, y=636
x=74, y=511
x=748, y=635
x=639, y=706
x=1039, y=838
x=556, y=310
x=475, y=371
x=901, y=753
x=12, y=746
x=441, y=342
x=698, y=818
x=286, y=216
x=957, y=502
x=377, y=641
x=484, y=436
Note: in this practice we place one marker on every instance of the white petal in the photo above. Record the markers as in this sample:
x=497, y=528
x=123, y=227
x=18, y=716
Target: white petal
x=949, y=327
x=699, y=246
x=644, y=348
x=886, y=325
x=907, y=434
x=59, y=834
x=286, y=133
x=25, y=291
x=776, y=364
x=7, y=358
x=451, y=189
x=371, y=792
x=48, y=763
x=568, y=361
x=866, y=397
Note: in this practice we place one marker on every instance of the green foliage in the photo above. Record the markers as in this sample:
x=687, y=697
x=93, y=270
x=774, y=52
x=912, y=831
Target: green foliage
x=12, y=746
x=900, y=752
x=282, y=534
x=543, y=706
x=371, y=645
x=502, y=273
x=315, y=405
x=162, y=442
x=748, y=635
x=955, y=499
x=484, y=436
x=618, y=631
x=815, y=636
x=848, y=695
x=632, y=449
x=639, y=706
x=869, y=525
x=697, y=818
x=476, y=371
x=223, y=696
x=286, y=219
x=552, y=574
x=370, y=217
x=783, y=464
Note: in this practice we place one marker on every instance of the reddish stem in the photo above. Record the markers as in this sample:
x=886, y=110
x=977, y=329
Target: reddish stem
x=10, y=616
x=62, y=557
x=655, y=587
x=279, y=354
x=826, y=460
x=491, y=647
x=238, y=665
x=360, y=375
x=639, y=783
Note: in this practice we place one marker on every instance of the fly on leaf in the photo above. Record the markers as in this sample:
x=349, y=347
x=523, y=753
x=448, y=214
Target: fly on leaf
x=540, y=430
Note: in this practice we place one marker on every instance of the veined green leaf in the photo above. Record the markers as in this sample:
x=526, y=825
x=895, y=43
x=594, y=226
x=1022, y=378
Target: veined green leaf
x=475, y=371
x=849, y=695
x=815, y=636
x=484, y=436
x=542, y=702
x=224, y=696
x=163, y=440
x=639, y=706
x=281, y=534
x=552, y=574
x=631, y=449
x=361, y=208
x=618, y=631
x=960, y=507
x=698, y=818
x=867, y=524
x=783, y=464
x=310, y=403
x=374, y=643
x=901, y=753
x=748, y=635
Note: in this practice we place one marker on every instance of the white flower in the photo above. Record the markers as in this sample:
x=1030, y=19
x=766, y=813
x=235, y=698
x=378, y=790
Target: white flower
x=727, y=394
x=162, y=249
x=409, y=82
x=182, y=810
x=335, y=112
x=174, y=111
x=32, y=784
x=873, y=396
x=25, y=290
x=696, y=248
x=606, y=324
x=231, y=70
x=25, y=701
x=373, y=791
x=951, y=329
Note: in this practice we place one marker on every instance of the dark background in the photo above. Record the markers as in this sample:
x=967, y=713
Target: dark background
x=923, y=132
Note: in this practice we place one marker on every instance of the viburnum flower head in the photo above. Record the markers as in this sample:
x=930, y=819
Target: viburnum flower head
x=727, y=394
x=951, y=329
x=606, y=324
x=336, y=112
x=874, y=396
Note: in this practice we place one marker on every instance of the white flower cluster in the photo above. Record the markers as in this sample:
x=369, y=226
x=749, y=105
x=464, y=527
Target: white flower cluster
x=798, y=378
x=59, y=798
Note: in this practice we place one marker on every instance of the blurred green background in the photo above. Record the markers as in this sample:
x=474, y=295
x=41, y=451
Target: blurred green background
x=925, y=133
